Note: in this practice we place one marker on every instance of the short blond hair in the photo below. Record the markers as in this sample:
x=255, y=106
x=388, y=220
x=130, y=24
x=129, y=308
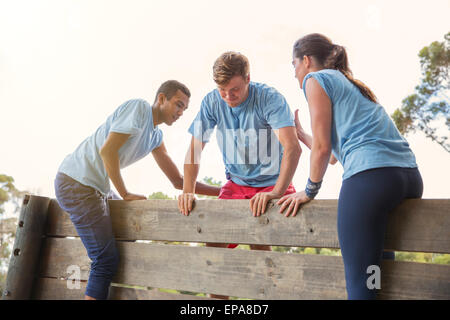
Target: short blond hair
x=228, y=65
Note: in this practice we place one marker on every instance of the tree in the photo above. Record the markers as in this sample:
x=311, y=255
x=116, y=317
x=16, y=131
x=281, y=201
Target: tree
x=211, y=182
x=160, y=195
x=425, y=109
x=8, y=192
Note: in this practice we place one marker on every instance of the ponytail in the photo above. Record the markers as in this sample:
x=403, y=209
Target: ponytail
x=331, y=56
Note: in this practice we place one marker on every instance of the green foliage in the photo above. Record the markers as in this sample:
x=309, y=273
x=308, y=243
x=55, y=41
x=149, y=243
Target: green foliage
x=160, y=195
x=436, y=258
x=8, y=192
x=430, y=104
x=441, y=258
x=211, y=182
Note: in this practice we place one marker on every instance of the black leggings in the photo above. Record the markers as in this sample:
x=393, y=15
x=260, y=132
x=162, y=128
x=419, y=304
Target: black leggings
x=365, y=201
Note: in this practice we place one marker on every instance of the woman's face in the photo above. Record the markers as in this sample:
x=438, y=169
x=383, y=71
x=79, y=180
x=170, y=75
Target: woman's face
x=300, y=69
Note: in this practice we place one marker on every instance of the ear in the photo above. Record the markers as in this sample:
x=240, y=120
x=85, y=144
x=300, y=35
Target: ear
x=307, y=61
x=247, y=80
x=161, y=98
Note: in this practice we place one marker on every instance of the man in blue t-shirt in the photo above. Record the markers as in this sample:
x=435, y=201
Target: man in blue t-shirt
x=82, y=183
x=255, y=133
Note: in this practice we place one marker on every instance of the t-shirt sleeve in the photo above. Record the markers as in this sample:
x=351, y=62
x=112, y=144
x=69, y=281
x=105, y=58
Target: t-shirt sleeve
x=158, y=139
x=323, y=79
x=204, y=123
x=277, y=112
x=130, y=117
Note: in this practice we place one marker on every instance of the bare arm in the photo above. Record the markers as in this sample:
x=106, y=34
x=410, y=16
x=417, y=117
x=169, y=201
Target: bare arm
x=171, y=171
x=289, y=162
x=321, y=117
x=306, y=138
x=109, y=153
x=191, y=168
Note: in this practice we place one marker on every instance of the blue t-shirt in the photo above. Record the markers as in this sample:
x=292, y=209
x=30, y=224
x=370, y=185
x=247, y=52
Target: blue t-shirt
x=251, y=151
x=363, y=136
x=133, y=117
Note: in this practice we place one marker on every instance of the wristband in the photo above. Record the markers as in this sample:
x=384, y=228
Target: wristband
x=312, y=188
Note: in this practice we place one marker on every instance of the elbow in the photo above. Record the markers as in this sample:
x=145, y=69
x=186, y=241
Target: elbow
x=178, y=183
x=322, y=151
x=333, y=160
x=295, y=150
x=103, y=153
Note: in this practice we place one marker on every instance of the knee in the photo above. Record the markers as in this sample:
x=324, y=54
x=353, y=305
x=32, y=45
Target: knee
x=107, y=263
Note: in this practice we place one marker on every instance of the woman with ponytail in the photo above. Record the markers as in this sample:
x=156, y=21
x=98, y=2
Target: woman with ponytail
x=380, y=170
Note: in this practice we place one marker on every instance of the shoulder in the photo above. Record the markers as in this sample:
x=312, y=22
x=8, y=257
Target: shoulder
x=211, y=102
x=328, y=79
x=212, y=97
x=266, y=93
x=262, y=88
x=134, y=105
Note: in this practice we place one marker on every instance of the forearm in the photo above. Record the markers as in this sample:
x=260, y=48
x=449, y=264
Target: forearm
x=319, y=163
x=289, y=164
x=190, y=177
x=306, y=139
x=207, y=190
x=112, y=166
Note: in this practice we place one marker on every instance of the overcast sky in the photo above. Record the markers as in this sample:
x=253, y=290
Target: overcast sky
x=66, y=65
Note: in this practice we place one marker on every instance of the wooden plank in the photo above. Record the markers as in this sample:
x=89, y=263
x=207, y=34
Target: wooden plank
x=243, y=273
x=57, y=289
x=27, y=244
x=421, y=225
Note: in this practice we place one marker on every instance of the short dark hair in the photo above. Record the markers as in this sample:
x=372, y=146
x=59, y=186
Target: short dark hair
x=170, y=88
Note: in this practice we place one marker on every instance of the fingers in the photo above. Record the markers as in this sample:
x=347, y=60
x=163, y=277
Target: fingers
x=186, y=205
x=290, y=208
x=297, y=205
x=284, y=198
x=265, y=200
x=132, y=196
x=190, y=201
x=252, y=204
x=286, y=203
x=260, y=205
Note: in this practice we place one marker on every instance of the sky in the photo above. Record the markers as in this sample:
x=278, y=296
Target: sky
x=66, y=65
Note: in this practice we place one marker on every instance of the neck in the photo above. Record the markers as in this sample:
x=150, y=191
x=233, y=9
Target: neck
x=246, y=95
x=157, y=114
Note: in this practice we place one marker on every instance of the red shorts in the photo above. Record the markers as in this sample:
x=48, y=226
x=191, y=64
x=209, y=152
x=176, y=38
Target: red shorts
x=232, y=190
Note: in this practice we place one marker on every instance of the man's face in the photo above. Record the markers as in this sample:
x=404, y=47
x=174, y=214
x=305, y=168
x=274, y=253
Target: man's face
x=235, y=91
x=174, y=108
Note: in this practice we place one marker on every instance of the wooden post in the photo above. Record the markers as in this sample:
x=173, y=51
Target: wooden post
x=25, y=256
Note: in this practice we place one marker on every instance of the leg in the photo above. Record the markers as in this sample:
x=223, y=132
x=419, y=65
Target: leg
x=100, y=245
x=90, y=215
x=364, y=204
